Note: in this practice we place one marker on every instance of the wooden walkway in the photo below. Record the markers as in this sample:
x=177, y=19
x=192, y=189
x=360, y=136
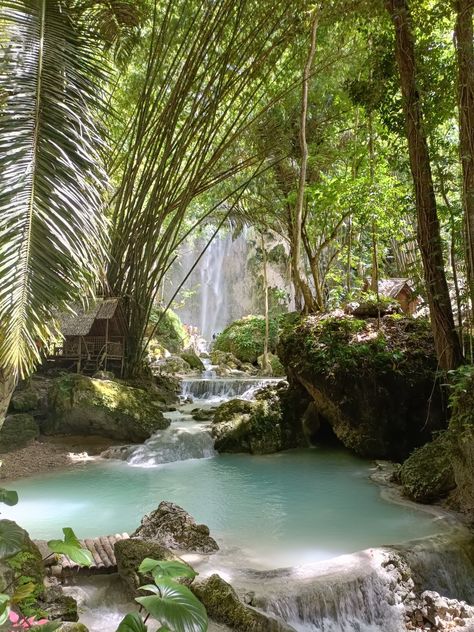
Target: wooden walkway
x=101, y=549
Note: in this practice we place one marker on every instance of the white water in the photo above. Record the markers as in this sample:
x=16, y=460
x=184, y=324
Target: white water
x=217, y=390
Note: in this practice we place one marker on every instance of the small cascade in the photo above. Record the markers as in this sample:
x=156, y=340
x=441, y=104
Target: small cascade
x=214, y=390
x=181, y=441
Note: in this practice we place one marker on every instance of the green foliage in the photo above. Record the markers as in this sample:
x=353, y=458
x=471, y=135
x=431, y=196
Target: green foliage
x=71, y=547
x=171, y=603
x=12, y=538
x=170, y=331
x=244, y=338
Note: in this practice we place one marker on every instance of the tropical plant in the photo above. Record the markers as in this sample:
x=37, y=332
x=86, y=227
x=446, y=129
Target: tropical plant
x=52, y=181
x=172, y=604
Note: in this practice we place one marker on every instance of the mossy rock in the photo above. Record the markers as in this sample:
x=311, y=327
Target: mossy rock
x=248, y=426
x=276, y=367
x=22, y=568
x=193, y=360
x=225, y=358
x=244, y=338
x=224, y=606
x=17, y=431
x=24, y=400
x=170, y=333
x=73, y=627
x=428, y=475
x=375, y=386
x=80, y=405
x=174, y=365
x=130, y=554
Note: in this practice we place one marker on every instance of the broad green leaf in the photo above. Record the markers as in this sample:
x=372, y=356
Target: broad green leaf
x=166, y=568
x=132, y=623
x=23, y=591
x=8, y=497
x=12, y=538
x=164, y=629
x=177, y=607
x=151, y=588
x=71, y=547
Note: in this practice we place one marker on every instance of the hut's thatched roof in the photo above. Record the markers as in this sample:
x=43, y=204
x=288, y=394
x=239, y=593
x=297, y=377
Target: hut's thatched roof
x=393, y=287
x=80, y=322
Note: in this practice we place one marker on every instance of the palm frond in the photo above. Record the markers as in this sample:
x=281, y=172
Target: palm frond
x=51, y=178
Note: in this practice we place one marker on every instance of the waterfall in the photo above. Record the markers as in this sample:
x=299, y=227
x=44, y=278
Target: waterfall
x=179, y=442
x=371, y=591
x=218, y=390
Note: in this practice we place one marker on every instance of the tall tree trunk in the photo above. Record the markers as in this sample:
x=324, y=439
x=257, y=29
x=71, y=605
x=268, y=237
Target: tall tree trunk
x=265, y=364
x=447, y=344
x=465, y=55
x=299, y=210
x=7, y=386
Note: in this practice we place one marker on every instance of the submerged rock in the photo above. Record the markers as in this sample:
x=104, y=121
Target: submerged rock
x=224, y=606
x=119, y=452
x=83, y=406
x=375, y=387
x=172, y=527
x=17, y=431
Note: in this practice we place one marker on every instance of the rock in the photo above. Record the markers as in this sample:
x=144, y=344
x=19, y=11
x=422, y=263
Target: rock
x=58, y=606
x=25, y=400
x=428, y=475
x=203, y=414
x=224, y=606
x=130, y=554
x=104, y=375
x=80, y=405
x=193, y=360
x=226, y=359
x=73, y=627
x=120, y=452
x=249, y=426
x=276, y=367
x=375, y=387
x=244, y=338
x=172, y=527
x=17, y=431
x=174, y=365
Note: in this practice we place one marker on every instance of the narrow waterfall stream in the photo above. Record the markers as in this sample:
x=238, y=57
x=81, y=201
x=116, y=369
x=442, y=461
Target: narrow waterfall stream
x=293, y=527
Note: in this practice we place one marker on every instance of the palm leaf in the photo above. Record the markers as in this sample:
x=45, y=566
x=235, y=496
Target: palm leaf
x=51, y=178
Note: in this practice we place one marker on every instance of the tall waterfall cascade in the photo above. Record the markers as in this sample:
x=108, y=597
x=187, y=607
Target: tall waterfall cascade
x=225, y=284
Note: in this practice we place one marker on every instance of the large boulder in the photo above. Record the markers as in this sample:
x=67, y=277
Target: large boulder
x=173, y=365
x=244, y=338
x=225, y=358
x=193, y=360
x=376, y=387
x=428, y=475
x=17, y=431
x=173, y=528
x=252, y=426
x=224, y=606
x=80, y=405
x=130, y=553
x=25, y=400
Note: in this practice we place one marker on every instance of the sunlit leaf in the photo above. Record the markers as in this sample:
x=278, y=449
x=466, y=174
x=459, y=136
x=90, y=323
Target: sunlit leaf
x=166, y=568
x=132, y=622
x=23, y=591
x=71, y=547
x=12, y=538
x=177, y=607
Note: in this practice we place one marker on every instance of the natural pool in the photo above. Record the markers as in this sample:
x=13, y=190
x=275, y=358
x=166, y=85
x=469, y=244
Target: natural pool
x=284, y=509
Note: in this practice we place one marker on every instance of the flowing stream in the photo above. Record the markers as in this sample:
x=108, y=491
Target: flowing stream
x=312, y=512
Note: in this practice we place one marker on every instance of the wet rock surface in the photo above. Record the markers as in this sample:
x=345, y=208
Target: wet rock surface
x=224, y=606
x=173, y=528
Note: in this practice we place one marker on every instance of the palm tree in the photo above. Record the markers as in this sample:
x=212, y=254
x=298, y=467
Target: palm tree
x=52, y=181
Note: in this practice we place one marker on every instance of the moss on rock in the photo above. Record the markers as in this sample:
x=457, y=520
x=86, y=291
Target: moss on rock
x=24, y=400
x=250, y=426
x=244, y=338
x=82, y=405
x=170, y=331
x=428, y=475
x=224, y=606
x=17, y=431
x=376, y=387
x=193, y=360
x=130, y=554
